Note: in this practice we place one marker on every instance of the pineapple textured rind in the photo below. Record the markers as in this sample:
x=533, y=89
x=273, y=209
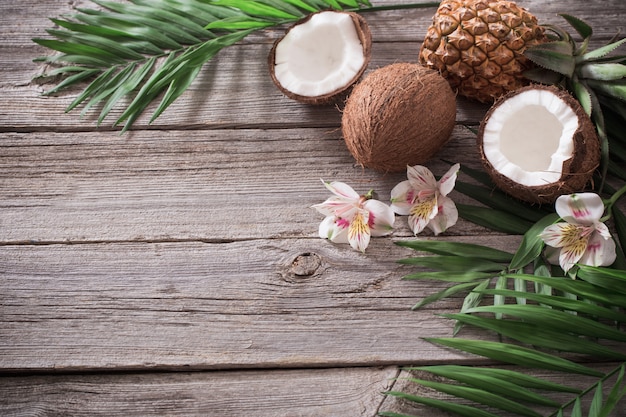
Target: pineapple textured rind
x=478, y=45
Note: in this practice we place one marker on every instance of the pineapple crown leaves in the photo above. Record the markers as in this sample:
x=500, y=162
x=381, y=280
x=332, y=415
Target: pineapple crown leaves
x=146, y=49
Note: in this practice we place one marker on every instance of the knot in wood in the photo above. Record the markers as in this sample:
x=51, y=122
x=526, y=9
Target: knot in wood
x=305, y=264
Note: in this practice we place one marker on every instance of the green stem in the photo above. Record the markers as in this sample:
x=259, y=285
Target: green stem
x=588, y=390
x=608, y=204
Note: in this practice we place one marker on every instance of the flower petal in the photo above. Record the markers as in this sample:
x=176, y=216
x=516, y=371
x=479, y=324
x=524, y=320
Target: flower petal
x=555, y=235
x=603, y=230
x=381, y=217
x=421, y=178
x=600, y=251
x=447, y=216
x=446, y=183
x=571, y=254
x=402, y=197
x=359, y=231
x=342, y=190
x=333, y=230
x=583, y=208
x=422, y=213
x=332, y=206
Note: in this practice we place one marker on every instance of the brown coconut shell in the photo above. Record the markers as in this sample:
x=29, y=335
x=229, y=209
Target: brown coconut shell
x=339, y=95
x=398, y=115
x=577, y=171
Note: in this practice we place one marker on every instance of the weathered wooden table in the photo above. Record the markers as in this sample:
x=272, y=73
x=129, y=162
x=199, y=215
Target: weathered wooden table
x=176, y=269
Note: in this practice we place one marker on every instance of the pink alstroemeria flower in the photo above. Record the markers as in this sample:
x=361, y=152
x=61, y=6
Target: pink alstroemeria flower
x=582, y=237
x=353, y=218
x=425, y=201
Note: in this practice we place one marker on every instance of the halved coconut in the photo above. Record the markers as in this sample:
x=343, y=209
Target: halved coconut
x=537, y=143
x=321, y=56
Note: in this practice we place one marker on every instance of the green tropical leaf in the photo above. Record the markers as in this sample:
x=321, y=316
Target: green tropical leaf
x=616, y=393
x=144, y=49
x=583, y=95
x=472, y=300
x=553, y=58
x=499, y=201
x=494, y=219
x=537, y=335
x=516, y=355
x=602, y=52
x=610, y=279
x=555, y=319
x=596, y=403
x=504, y=381
x=603, y=72
x=563, y=303
x=445, y=293
x=459, y=409
x=457, y=249
x=532, y=244
x=464, y=276
x=583, y=29
x=448, y=263
x=620, y=225
x=480, y=396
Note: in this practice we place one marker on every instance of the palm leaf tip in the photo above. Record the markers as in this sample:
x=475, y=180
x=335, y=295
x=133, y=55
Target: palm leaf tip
x=117, y=44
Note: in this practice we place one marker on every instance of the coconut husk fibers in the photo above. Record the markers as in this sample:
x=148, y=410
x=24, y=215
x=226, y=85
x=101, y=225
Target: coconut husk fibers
x=398, y=115
x=577, y=171
x=339, y=95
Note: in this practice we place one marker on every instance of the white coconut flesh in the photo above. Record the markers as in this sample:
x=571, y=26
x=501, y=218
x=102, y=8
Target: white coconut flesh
x=529, y=136
x=319, y=56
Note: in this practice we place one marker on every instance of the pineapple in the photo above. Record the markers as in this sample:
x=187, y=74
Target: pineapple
x=478, y=46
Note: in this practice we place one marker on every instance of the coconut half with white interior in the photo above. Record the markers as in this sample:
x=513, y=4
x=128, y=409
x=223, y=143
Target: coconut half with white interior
x=537, y=143
x=321, y=57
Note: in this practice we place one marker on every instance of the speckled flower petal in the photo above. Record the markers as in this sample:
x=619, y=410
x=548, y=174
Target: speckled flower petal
x=583, y=208
x=359, y=231
x=402, y=196
x=381, y=217
x=422, y=212
x=447, y=216
x=421, y=178
x=342, y=190
x=600, y=251
x=447, y=182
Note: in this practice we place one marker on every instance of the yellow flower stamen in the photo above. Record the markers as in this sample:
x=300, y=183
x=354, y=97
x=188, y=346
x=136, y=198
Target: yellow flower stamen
x=423, y=209
x=358, y=229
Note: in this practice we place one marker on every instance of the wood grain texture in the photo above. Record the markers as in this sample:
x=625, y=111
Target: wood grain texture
x=311, y=393
x=213, y=185
x=190, y=244
x=248, y=304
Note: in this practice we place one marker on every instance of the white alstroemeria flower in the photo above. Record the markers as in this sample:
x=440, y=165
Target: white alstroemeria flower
x=425, y=201
x=353, y=218
x=582, y=237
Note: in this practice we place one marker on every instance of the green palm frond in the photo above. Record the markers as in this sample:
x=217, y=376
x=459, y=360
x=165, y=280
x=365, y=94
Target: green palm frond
x=588, y=314
x=143, y=50
x=541, y=316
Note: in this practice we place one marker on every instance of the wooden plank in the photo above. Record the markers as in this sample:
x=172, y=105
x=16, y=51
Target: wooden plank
x=214, y=185
x=275, y=393
x=192, y=305
x=217, y=99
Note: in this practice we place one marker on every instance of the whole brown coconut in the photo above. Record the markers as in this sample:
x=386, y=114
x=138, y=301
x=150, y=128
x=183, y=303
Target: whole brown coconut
x=321, y=57
x=537, y=143
x=398, y=115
